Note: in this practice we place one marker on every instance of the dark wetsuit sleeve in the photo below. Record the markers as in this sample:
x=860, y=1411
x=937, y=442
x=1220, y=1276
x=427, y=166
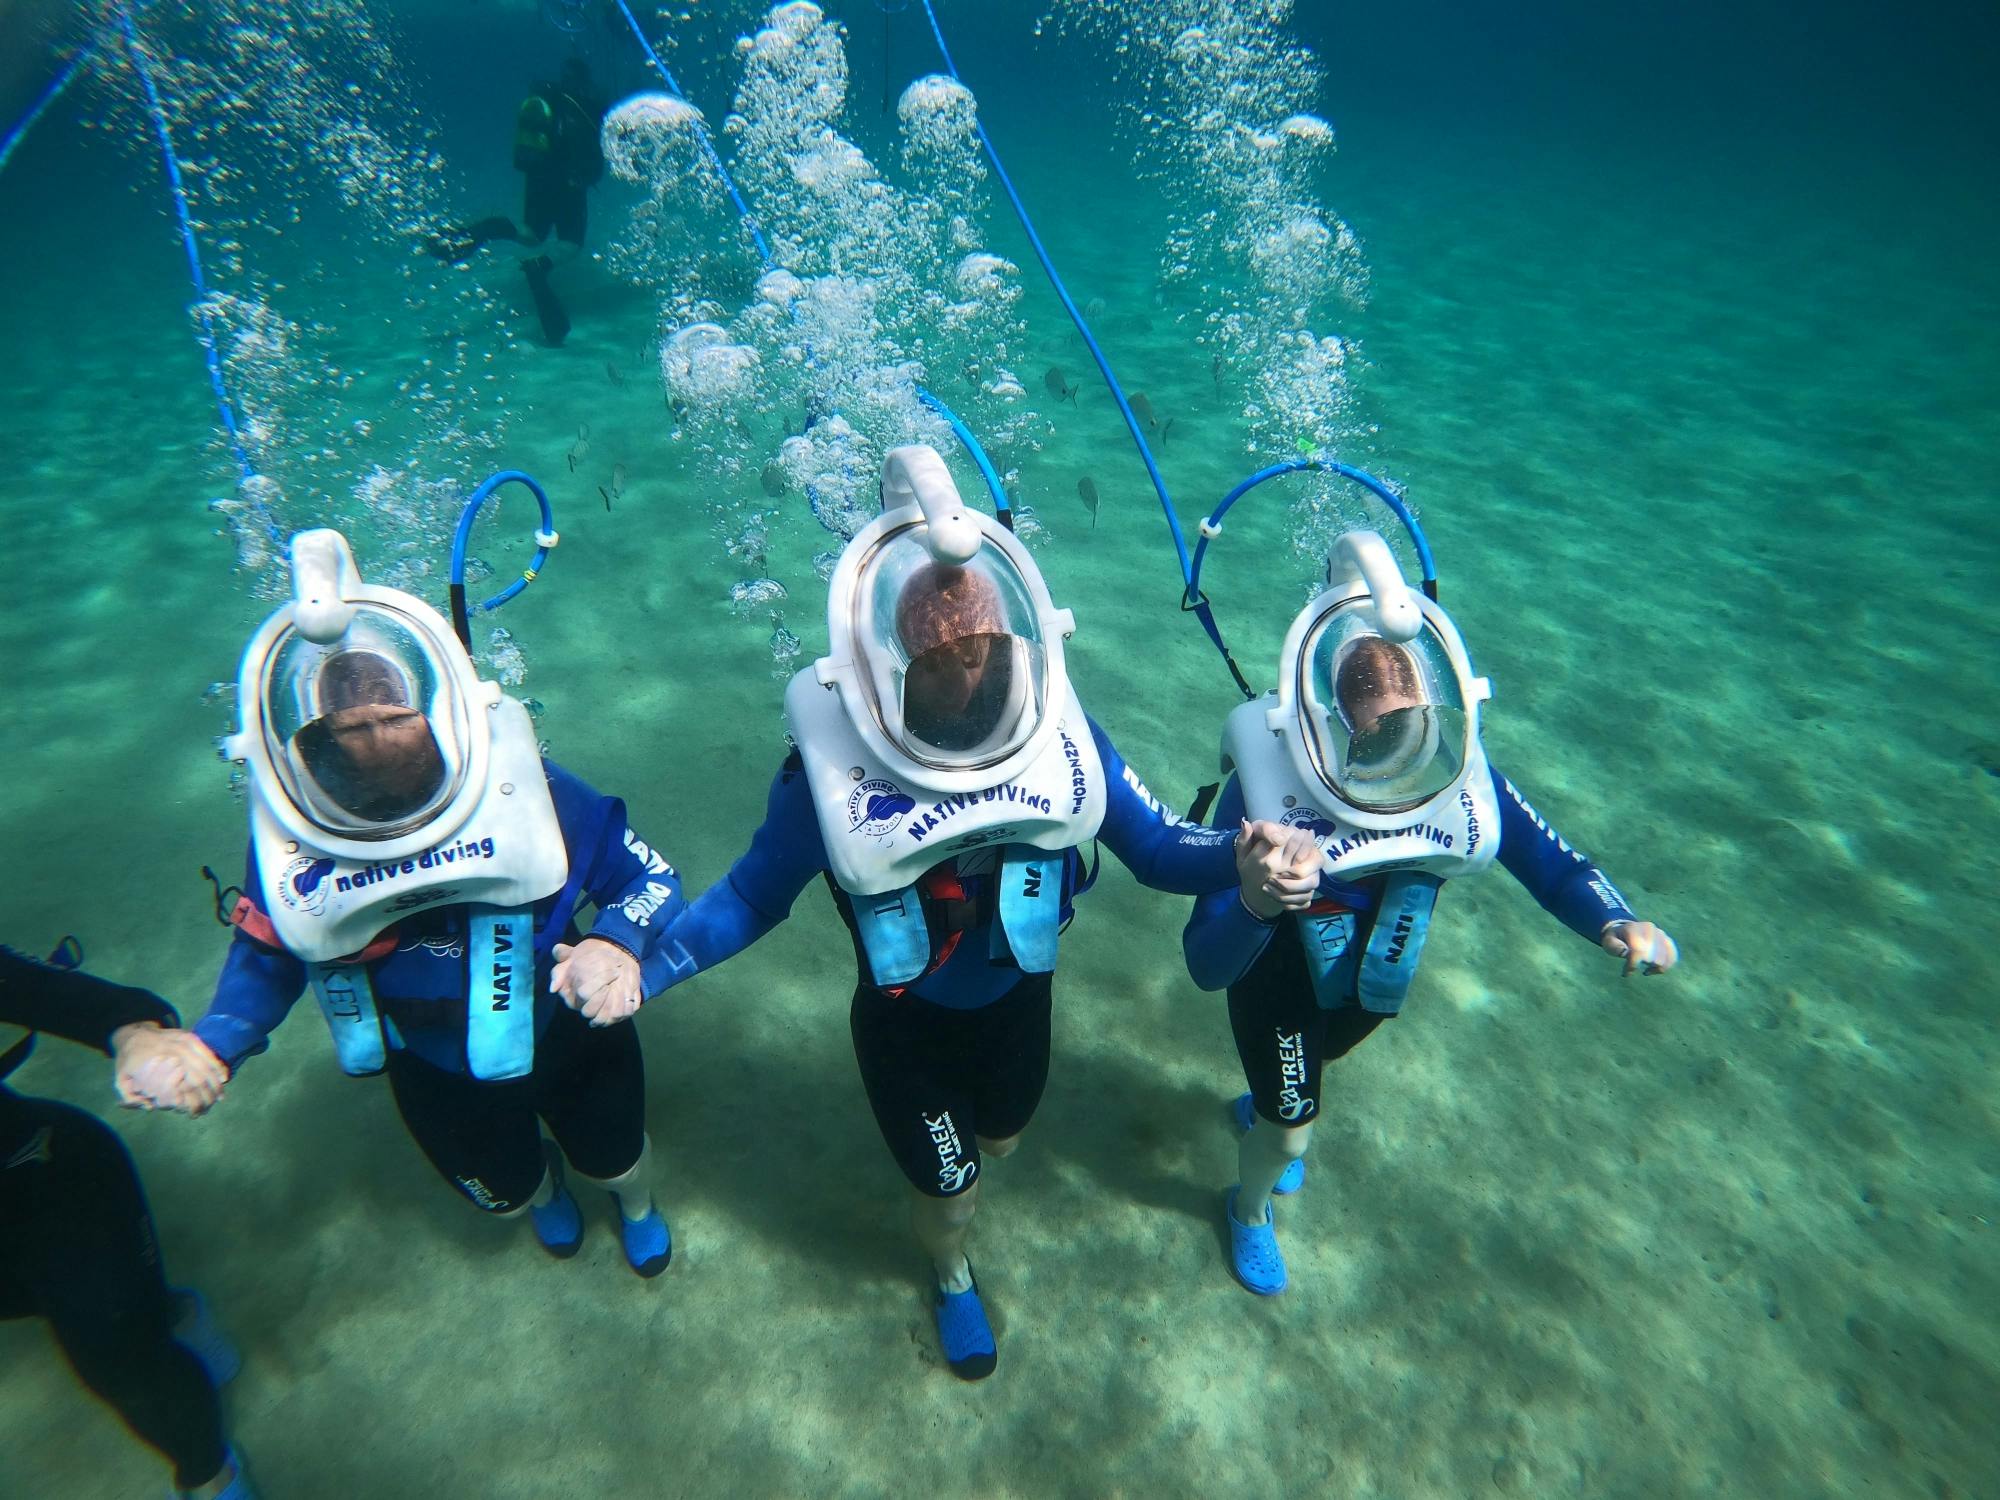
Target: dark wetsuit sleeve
x=1223, y=937
x=1568, y=886
x=784, y=856
x=1163, y=851
x=70, y=1004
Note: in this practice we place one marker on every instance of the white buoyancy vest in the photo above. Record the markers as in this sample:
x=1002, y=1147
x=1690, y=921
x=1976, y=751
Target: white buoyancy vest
x=507, y=855
x=882, y=834
x=1456, y=833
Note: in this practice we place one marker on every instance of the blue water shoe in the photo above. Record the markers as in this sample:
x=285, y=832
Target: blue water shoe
x=649, y=1244
x=559, y=1222
x=1254, y=1254
x=966, y=1335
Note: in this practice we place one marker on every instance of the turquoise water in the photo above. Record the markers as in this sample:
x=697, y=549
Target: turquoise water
x=1679, y=333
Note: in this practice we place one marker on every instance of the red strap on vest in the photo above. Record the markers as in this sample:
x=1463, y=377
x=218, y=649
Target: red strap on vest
x=939, y=884
x=252, y=918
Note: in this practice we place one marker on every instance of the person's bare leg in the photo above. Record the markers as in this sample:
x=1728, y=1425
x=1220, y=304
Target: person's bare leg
x=941, y=1226
x=1002, y=1148
x=1261, y=1158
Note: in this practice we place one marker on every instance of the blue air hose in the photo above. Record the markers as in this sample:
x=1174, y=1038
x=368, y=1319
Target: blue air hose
x=545, y=538
x=17, y=132
x=225, y=411
x=1211, y=528
x=978, y=453
x=714, y=159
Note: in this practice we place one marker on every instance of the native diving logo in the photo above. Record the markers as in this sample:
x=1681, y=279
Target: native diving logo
x=305, y=885
x=874, y=808
x=1309, y=818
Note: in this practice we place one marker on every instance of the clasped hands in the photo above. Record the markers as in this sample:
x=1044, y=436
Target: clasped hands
x=1278, y=867
x=598, y=980
x=159, y=1067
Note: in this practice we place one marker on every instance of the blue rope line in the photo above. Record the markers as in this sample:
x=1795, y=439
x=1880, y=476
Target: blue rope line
x=224, y=410
x=714, y=159
x=19, y=130
x=1076, y=317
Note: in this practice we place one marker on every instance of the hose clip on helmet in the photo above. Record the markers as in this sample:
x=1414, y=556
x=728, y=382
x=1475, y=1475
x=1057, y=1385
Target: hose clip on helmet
x=1376, y=697
x=944, y=645
x=364, y=725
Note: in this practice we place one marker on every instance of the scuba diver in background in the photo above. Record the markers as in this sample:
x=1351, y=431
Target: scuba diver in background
x=77, y=1244
x=558, y=152
x=416, y=862
x=1368, y=755
x=944, y=778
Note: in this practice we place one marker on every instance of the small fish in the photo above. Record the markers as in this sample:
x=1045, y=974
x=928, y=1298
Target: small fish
x=774, y=479
x=1059, y=387
x=1093, y=309
x=1143, y=410
x=1086, y=487
x=1165, y=430
x=1215, y=371
x=611, y=374
x=616, y=490
x=580, y=449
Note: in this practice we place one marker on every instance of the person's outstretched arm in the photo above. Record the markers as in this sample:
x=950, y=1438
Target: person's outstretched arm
x=785, y=853
x=256, y=990
x=73, y=1005
x=1163, y=851
x=1574, y=890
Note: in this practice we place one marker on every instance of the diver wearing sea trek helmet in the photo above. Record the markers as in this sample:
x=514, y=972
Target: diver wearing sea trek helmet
x=1368, y=754
x=944, y=778
x=418, y=864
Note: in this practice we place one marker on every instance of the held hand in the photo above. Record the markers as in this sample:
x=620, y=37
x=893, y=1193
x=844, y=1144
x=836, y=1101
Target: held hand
x=1645, y=948
x=1277, y=866
x=598, y=980
x=165, y=1069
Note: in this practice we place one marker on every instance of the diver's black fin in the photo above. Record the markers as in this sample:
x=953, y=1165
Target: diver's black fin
x=548, y=307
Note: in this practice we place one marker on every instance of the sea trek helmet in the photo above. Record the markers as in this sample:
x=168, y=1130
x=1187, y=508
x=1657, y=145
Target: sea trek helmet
x=345, y=650
x=944, y=646
x=1376, y=697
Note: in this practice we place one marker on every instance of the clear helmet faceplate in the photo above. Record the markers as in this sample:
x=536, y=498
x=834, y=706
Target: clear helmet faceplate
x=364, y=722
x=1377, y=698
x=946, y=649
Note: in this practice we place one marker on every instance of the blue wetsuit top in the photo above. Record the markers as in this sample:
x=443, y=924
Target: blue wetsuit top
x=1223, y=938
x=421, y=987
x=787, y=852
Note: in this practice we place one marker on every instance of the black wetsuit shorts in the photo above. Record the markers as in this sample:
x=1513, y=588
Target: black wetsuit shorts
x=554, y=202
x=588, y=1086
x=1283, y=1037
x=938, y=1078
